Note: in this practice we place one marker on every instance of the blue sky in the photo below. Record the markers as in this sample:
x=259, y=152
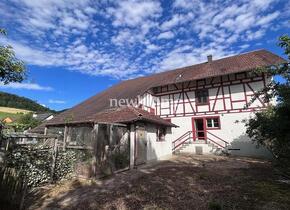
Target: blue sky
x=75, y=49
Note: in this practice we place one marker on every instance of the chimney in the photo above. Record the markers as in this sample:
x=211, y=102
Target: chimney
x=209, y=58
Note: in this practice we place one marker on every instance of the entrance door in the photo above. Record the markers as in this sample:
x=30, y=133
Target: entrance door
x=199, y=129
x=140, y=146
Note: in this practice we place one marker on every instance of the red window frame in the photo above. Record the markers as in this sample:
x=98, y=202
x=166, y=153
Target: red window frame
x=205, y=128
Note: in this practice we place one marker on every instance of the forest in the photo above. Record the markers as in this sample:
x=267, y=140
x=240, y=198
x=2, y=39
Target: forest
x=14, y=101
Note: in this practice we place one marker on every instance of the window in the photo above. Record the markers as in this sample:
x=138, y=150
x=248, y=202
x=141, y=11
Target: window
x=213, y=122
x=202, y=96
x=160, y=134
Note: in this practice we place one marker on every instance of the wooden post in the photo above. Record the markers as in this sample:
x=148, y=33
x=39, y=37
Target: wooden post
x=94, y=144
x=111, y=134
x=7, y=144
x=54, y=154
x=65, y=137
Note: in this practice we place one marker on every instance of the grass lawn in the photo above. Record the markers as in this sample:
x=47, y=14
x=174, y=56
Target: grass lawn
x=6, y=114
x=184, y=182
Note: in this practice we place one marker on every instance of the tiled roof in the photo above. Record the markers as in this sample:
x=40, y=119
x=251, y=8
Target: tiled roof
x=129, y=114
x=124, y=114
x=88, y=110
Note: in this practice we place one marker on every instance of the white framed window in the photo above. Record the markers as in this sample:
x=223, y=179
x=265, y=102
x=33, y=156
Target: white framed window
x=213, y=122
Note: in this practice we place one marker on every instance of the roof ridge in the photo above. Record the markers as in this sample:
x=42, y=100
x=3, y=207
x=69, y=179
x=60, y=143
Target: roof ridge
x=205, y=62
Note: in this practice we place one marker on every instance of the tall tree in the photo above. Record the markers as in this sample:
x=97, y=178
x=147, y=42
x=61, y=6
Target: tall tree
x=11, y=68
x=271, y=128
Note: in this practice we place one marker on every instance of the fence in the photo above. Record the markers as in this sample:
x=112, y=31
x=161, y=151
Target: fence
x=13, y=188
x=101, y=149
x=88, y=151
x=93, y=150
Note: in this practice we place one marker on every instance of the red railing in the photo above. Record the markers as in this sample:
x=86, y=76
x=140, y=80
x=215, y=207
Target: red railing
x=215, y=141
x=181, y=140
x=187, y=136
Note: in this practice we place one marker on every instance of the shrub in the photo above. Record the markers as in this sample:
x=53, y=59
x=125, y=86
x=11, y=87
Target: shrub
x=35, y=164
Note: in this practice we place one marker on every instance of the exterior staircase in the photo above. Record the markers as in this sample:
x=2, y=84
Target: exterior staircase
x=211, y=145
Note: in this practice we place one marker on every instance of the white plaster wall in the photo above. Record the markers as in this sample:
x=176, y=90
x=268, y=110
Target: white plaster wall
x=232, y=130
x=157, y=150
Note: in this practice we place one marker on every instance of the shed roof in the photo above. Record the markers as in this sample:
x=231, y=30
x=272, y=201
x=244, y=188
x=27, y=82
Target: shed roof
x=43, y=116
x=124, y=114
x=90, y=109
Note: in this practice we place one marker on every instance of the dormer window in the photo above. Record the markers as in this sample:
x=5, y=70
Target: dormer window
x=202, y=96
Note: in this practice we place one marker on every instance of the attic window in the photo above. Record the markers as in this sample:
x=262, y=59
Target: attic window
x=155, y=90
x=179, y=77
x=202, y=96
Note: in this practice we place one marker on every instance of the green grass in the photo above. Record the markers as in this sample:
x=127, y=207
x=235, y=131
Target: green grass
x=6, y=114
x=274, y=190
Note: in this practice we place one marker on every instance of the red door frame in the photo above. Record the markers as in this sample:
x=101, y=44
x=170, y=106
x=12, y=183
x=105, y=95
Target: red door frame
x=194, y=131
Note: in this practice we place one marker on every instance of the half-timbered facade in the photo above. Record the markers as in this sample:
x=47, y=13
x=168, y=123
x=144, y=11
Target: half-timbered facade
x=198, y=109
x=210, y=111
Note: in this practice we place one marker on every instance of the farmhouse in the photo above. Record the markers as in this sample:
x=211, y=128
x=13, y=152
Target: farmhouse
x=8, y=120
x=196, y=109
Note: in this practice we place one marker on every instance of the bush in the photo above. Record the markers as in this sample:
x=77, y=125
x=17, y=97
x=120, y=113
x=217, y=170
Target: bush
x=35, y=164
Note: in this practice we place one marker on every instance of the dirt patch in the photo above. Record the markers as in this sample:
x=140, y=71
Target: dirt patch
x=184, y=182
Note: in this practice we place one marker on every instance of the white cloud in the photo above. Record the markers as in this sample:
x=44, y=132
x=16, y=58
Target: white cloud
x=166, y=35
x=36, y=56
x=125, y=39
x=175, y=20
x=268, y=18
x=134, y=13
x=26, y=86
x=53, y=101
x=186, y=55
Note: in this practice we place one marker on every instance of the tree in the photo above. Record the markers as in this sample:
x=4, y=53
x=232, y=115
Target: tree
x=271, y=128
x=11, y=68
x=25, y=122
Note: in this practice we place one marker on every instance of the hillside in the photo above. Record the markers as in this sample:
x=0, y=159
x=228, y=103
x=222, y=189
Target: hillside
x=18, y=102
x=13, y=110
x=14, y=116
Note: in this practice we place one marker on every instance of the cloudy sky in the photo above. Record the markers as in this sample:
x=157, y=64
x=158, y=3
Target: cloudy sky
x=75, y=49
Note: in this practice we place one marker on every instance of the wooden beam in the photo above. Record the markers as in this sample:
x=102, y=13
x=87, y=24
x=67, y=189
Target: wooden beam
x=65, y=137
x=54, y=154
